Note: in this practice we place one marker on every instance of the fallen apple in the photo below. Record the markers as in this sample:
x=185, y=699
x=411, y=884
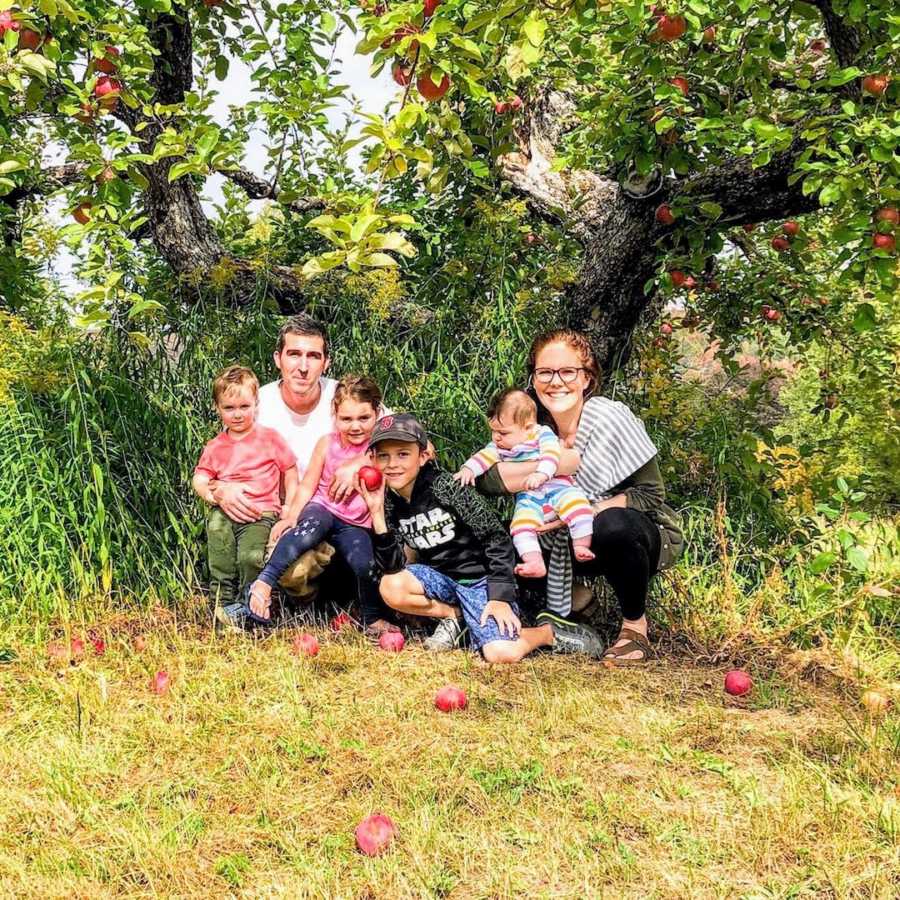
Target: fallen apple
x=791, y=228
x=450, y=698
x=76, y=647
x=875, y=702
x=429, y=90
x=340, y=622
x=374, y=834
x=305, y=645
x=884, y=242
x=392, y=641
x=370, y=477
x=737, y=683
x=159, y=684
x=99, y=646
x=664, y=214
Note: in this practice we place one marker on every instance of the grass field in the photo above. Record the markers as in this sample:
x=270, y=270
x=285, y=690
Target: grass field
x=561, y=779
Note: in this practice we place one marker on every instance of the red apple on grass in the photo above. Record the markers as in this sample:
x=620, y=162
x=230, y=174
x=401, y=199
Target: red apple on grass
x=8, y=23
x=99, y=646
x=108, y=63
x=680, y=82
x=791, y=228
x=887, y=214
x=781, y=244
x=370, y=477
x=392, y=641
x=450, y=698
x=305, y=645
x=737, y=683
x=429, y=90
x=160, y=682
x=884, y=242
x=340, y=622
x=665, y=329
x=374, y=834
x=670, y=28
x=875, y=85
x=664, y=214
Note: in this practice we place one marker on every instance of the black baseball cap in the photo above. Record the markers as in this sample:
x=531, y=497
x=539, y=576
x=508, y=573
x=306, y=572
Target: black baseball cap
x=401, y=427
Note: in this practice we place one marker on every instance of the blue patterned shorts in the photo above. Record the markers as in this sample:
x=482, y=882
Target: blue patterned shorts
x=470, y=598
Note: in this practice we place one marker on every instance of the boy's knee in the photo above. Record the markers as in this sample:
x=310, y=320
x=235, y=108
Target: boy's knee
x=501, y=652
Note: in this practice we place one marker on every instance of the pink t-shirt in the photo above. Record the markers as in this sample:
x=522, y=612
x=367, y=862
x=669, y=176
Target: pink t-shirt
x=257, y=461
x=353, y=510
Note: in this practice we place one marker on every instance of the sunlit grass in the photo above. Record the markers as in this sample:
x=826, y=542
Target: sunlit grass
x=562, y=779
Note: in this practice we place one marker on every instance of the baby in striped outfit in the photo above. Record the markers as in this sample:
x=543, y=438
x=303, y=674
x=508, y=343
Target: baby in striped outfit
x=512, y=416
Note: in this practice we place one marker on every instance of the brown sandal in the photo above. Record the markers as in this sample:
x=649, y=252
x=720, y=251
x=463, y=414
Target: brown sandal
x=636, y=641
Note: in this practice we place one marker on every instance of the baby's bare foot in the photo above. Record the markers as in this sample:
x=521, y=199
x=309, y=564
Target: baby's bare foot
x=583, y=554
x=531, y=568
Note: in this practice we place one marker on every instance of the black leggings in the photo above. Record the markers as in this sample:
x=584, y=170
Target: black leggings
x=626, y=544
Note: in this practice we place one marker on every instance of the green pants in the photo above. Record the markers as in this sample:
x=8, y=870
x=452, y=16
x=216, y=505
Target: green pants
x=236, y=552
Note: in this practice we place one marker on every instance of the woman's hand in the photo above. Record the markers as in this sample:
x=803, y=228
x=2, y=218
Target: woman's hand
x=549, y=526
x=501, y=612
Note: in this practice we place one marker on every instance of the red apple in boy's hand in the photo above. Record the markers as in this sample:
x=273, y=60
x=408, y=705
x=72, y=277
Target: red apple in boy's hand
x=160, y=682
x=374, y=834
x=305, y=645
x=370, y=477
x=737, y=683
x=392, y=641
x=340, y=622
x=449, y=698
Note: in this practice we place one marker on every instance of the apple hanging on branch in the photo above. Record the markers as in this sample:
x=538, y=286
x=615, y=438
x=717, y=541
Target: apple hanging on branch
x=429, y=90
x=108, y=63
x=875, y=85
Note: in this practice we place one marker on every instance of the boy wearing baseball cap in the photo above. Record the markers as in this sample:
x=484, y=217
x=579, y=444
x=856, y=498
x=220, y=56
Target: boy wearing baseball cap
x=465, y=574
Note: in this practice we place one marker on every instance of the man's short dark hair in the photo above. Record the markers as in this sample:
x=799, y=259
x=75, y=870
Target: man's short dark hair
x=304, y=325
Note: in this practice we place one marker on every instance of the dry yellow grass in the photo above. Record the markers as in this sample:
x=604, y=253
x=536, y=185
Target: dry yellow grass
x=562, y=779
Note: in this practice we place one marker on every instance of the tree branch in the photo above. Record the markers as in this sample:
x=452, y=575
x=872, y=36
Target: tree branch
x=845, y=39
x=259, y=189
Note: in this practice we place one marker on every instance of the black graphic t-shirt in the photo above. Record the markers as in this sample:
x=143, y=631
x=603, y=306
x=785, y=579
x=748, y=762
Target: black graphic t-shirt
x=452, y=529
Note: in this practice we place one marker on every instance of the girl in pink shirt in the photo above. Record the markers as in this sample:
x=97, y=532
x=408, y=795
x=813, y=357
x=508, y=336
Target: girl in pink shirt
x=346, y=524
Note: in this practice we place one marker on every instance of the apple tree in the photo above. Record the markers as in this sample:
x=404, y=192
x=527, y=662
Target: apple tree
x=664, y=138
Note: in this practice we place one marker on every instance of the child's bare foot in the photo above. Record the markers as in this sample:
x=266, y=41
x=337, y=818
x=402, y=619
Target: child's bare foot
x=583, y=554
x=532, y=566
x=260, y=599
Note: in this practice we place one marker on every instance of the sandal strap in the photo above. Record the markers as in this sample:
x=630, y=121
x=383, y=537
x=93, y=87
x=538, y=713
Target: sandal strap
x=630, y=647
x=635, y=637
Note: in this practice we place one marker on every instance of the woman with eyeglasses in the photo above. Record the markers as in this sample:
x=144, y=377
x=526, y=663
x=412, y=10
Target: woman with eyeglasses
x=635, y=534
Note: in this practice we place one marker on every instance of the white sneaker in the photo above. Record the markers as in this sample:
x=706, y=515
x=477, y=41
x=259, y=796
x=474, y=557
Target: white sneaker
x=447, y=636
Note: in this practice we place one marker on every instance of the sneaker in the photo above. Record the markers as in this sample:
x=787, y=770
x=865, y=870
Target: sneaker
x=232, y=617
x=571, y=637
x=447, y=636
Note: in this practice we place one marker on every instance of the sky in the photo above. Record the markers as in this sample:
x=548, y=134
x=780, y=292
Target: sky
x=373, y=94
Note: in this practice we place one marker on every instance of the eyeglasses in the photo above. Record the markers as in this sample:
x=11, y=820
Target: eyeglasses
x=567, y=375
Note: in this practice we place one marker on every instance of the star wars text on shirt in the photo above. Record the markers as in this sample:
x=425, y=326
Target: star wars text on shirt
x=429, y=529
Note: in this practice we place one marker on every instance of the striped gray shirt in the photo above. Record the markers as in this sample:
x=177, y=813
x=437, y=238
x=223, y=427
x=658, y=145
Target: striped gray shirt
x=613, y=444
